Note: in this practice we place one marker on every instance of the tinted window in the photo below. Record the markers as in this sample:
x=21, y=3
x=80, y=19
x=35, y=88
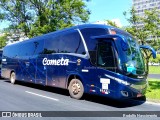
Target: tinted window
x=31, y=48
x=88, y=33
x=72, y=43
x=92, y=43
x=69, y=42
x=5, y=52
x=38, y=47
x=11, y=51
x=105, y=57
x=26, y=48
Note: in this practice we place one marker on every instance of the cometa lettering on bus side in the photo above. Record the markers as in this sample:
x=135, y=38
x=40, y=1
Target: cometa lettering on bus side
x=55, y=62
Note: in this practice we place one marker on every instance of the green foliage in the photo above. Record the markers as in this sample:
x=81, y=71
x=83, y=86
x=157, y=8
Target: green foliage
x=157, y=60
x=3, y=40
x=139, y=32
x=109, y=22
x=155, y=44
x=154, y=69
x=153, y=90
x=149, y=27
x=152, y=23
x=17, y=13
x=36, y=17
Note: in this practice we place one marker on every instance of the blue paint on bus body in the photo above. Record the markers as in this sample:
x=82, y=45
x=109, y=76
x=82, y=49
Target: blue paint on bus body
x=100, y=60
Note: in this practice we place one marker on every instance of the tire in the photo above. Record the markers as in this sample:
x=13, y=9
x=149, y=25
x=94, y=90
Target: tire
x=13, y=78
x=76, y=89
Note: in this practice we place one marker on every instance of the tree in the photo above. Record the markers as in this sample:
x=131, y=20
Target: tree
x=36, y=17
x=149, y=27
x=152, y=24
x=109, y=22
x=3, y=40
x=17, y=13
x=137, y=31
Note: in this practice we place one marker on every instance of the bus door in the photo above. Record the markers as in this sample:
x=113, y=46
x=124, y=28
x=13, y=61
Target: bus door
x=90, y=72
x=25, y=70
x=106, y=65
x=40, y=70
x=29, y=69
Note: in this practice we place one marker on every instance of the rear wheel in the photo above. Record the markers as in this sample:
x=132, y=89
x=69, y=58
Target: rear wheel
x=13, y=77
x=76, y=88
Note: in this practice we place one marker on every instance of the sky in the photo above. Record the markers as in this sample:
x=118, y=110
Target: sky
x=103, y=10
x=109, y=9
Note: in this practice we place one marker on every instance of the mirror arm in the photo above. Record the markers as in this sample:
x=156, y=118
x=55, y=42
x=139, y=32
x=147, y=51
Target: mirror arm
x=149, y=48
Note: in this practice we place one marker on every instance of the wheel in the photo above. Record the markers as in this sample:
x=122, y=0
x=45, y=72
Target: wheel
x=13, y=78
x=76, y=89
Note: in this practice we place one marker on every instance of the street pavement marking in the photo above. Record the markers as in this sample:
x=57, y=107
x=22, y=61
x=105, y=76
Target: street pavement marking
x=42, y=96
x=148, y=102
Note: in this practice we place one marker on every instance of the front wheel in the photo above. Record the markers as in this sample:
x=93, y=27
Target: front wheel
x=76, y=88
x=13, y=78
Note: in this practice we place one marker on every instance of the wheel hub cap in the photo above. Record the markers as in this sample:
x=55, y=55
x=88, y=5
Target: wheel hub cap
x=76, y=88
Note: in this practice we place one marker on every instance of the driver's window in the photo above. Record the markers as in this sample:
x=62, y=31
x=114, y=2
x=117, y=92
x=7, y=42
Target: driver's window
x=105, y=57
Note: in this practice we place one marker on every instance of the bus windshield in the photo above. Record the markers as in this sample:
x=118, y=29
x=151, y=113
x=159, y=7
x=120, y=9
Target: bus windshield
x=134, y=63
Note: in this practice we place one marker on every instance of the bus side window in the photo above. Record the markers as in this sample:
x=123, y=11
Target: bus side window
x=30, y=48
x=89, y=32
x=93, y=56
x=69, y=42
x=51, y=44
x=38, y=47
x=92, y=43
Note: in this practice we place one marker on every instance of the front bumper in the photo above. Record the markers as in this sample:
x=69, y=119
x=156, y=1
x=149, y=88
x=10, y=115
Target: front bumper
x=133, y=91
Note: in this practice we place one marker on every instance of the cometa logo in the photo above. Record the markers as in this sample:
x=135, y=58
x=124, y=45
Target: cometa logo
x=55, y=62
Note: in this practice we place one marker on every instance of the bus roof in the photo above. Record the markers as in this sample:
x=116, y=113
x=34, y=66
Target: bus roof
x=71, y=28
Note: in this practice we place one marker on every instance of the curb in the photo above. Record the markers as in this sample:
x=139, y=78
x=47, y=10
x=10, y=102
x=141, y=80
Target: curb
x=152, y=103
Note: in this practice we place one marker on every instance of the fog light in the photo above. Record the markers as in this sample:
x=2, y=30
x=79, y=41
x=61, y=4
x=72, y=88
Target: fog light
x=124, y=93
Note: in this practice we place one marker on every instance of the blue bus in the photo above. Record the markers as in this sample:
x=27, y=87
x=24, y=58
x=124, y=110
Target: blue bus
x=90, y=58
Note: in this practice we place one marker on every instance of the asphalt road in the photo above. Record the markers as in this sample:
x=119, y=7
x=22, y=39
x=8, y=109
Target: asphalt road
x=155, y=76
x=30, y=97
